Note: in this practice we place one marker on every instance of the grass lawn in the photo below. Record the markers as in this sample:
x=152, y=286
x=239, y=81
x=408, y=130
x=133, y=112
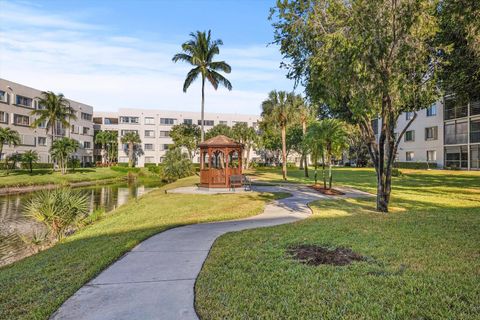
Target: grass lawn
x=423, y=258
x=35, y=287
x=20, y=178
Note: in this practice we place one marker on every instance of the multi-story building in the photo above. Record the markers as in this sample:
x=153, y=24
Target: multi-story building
x=447, y=134
x=153, y=127
x=16, y=104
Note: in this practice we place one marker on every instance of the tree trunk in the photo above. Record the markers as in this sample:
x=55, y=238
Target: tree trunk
x=130, y=154
x=248, y=158
x=202, y=137
x=284, y=152
x=301, y=162
x=330, y=177
x=1, y=148
x=305, y=154
x=323, y=172
x=315, y=174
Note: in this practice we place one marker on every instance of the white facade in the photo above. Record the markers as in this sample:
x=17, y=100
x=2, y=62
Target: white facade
x=16, y=104
x=153, y=127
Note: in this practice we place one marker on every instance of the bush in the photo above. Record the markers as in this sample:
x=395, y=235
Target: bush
x=176, y=165
x=291, y=165
x=155, y=169
x=36, y=166
x=122, y=164
x=149, y=165
x=415, y=165
x=396, y=172
x=124, y=169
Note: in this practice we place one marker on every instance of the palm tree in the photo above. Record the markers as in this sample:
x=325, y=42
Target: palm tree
x=305, y=115
x=199, y=52
x=279, y=110
x=62, y=149
x=29, y=158
x=131, y=138
x=9, y=137
x=103, y=138
x=112, y=146
x=247, y=136
x=54, y=110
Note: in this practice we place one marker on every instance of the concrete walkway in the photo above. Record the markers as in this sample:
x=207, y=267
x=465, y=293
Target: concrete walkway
x=156, y=279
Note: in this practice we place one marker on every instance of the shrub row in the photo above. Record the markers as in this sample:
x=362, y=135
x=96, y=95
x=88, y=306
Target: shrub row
x=415, y=165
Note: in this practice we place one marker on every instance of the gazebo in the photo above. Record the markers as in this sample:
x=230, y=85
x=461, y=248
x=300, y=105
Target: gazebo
x=220, y=159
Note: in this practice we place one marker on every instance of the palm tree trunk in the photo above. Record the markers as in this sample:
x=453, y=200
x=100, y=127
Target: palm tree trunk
x=130, y=154
x=305, y=155
x=248, y=158
x=202, y=138
x=1, y=148
x=323, y=171
x=284, y=152
x=329, y=172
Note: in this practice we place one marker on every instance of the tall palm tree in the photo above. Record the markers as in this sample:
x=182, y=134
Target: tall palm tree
x=305, y=115
x=199, y=52
x=9, y=137
x=103, y=138
x=112, y=146
x=279, y=110
x=131, y=138
x=61, y=149
x=55, y=109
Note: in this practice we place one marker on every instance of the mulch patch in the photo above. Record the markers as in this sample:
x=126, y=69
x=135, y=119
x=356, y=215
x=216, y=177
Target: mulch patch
x=316, y=255
x=328, y=192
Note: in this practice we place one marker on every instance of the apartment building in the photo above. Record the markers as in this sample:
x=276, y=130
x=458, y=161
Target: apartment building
x=16, y=104
x=446, y=134
x=153, y=127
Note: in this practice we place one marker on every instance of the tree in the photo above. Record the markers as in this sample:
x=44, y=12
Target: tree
x=246, y=135
x=112, y=146
x=58, y=209
x=176, y=165
x=131, y=139
x=279, y=110
x=53, y=110
x=8, y=137
x=294, y=139
x=62, y=149
x=459, y=39
x=200, y=52
x=305, y=115
x=186, y=136
x=219, y=129
x=29, y=158
x=363, y=61
x=103, y=139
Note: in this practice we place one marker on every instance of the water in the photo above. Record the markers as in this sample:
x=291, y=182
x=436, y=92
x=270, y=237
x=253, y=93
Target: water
x=17, y=230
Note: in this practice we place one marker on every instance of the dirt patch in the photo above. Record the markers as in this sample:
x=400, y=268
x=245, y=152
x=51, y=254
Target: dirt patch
x=316, y=255
x=328, y=192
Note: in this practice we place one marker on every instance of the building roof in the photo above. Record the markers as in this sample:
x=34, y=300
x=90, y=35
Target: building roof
x=219, y=141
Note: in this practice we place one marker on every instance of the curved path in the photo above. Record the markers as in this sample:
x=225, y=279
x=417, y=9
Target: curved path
x=156, y=279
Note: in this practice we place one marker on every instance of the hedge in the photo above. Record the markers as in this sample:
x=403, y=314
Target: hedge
x=415, y=165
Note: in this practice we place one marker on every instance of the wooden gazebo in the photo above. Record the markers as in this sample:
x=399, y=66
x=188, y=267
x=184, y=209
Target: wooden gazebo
x=220, y=158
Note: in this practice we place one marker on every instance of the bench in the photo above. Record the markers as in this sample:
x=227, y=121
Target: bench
x=239, y=181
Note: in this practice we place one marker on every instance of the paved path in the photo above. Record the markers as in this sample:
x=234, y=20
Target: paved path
x=156, y=279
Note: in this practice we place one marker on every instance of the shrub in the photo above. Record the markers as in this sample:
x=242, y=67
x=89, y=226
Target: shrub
x=149, y=165
x=36, y=166
x=124, y=169
x=155, y=169
x=291, y=165
x=415, y=165
x=176, y=165
x=58, y=209
x=396, y=172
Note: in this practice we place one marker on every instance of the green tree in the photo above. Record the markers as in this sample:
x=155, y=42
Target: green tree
x=219, y=129
x=305, y=114
x=176, y=165
x=200, y=52
x=246, y=135
x=186, y=136
x=58, y=209
x=103, y=139
x=131, y=139
x=61, y=150
x=8, y=137
x=279, y=111
x=112, y=147
x=53, y=110
x=29, y=158
x=363, y=61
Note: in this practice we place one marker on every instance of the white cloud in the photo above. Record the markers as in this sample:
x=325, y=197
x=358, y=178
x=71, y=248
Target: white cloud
x=110, y=71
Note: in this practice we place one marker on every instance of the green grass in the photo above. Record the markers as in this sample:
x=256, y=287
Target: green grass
x=423, y=257
x=21, y=178
x=35, y=287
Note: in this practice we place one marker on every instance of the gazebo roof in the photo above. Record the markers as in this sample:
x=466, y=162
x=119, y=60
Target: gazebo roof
x=220, y=141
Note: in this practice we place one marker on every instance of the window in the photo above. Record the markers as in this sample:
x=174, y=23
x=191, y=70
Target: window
x=456, y=157
x=432, y=110
x=456, y=133
x=3, y=96
x=132, y=120
x=42, y=141
x=87, y=144
x=148, y=147
x=164, y=146
x=206, y=122
x=224, y=122
x=409, y=155
x=20, y=120
x=97, y=120
x=85, y=130
x=475, y=131
x=235, y=122
x=453, y=109
x=164, y=134
x=149, y=120
x=431, y=133
x=149, y=134
x=187, y=121
x=410, y=135
x=123, y=132
x=110, y=121
x=431, y=155
x=408, y=115
x=3, y=117
x=474, y=108
x=86, y=116
x=23, y=101
x=475, y=157
x=167, y=121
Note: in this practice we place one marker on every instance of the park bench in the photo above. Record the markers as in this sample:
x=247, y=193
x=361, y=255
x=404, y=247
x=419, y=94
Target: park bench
x=239, y=181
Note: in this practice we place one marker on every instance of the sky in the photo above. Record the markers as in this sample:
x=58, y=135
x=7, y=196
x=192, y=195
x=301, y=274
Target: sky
x=118, y=54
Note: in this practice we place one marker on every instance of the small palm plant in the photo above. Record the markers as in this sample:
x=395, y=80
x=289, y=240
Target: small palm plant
x=103, y=138
x=61, y=150
x=29, y=158
x=131, y=139
x=176, y=165
x=9, y=137
x=57, y=209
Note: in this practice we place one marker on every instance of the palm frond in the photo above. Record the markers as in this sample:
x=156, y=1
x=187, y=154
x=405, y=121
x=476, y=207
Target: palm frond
x=217, y=78
x=220, y=65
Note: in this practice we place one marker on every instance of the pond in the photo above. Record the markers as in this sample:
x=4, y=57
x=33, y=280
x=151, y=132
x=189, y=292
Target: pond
x=16, y=229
